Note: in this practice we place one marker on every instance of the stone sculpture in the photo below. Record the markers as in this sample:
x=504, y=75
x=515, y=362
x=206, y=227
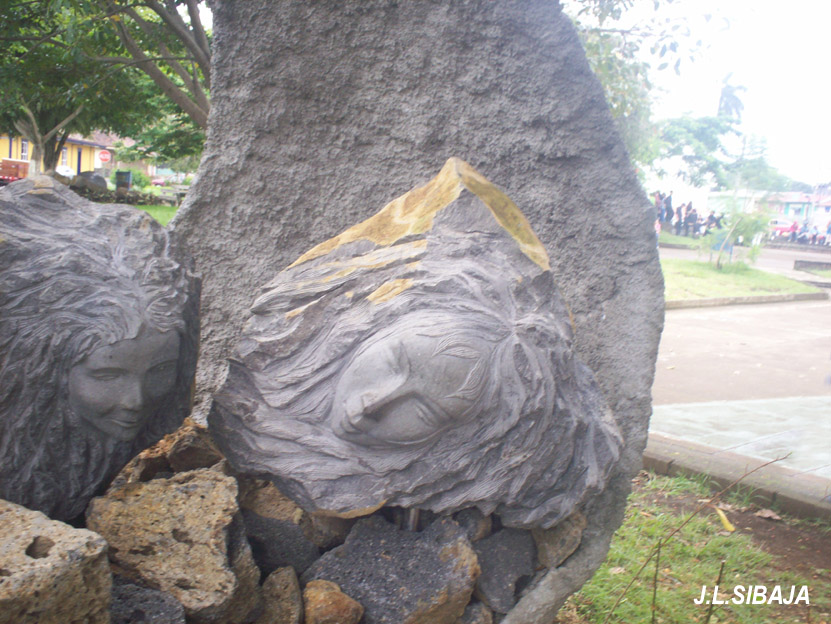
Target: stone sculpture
x=362, y=103
x=98, y=342
x=421, y=359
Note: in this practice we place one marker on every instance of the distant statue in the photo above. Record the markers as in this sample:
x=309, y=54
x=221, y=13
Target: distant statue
x=427, y=369
x=98, y=343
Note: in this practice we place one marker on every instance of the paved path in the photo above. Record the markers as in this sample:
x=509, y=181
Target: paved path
x=751, y=381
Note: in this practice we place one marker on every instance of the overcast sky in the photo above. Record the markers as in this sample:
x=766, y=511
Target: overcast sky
x=780, y=52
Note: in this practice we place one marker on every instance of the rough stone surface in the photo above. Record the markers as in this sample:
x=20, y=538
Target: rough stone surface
x=430, y=335
x=283, y=601
x=180, y=535
x=91, y=181
x=133, y=604
x=190, y=447
x=50, y=573
x=557, y=544
x=401, y=577
x=86, y=288
x=311, y=140
x=278, y=543
x=262, y=498
x=325, y=603
x=506, y=557
x=476, y=524
x=476, y=613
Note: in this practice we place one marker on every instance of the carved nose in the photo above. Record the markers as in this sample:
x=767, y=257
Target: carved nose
x=132, y=397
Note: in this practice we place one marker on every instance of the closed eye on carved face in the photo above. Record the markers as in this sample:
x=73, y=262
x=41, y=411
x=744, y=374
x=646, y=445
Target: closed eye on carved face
x=405, y=388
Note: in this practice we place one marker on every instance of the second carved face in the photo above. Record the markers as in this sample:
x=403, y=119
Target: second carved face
x=117, y=387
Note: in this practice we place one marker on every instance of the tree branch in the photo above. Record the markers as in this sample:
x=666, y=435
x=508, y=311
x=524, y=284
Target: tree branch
x=199, y=34
x=178, y=25
x=191, y=82
x=61, y=124
x=199, y=115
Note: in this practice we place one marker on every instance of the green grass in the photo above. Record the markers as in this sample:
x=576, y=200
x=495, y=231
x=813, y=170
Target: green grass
x=823, y=273
x=688, y=279
x=689, y=560
x=161, y=213
x=672, y=239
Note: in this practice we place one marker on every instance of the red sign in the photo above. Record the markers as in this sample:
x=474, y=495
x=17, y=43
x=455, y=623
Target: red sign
x=104, y=156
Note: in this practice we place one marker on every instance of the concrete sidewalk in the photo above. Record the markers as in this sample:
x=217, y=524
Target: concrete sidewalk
x=737, y=386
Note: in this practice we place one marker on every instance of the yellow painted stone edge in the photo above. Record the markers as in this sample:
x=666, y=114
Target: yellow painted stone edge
x=413, y=213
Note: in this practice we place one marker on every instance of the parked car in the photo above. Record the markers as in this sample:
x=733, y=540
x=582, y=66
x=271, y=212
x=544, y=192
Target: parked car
x=158, y=181
x=779, y=227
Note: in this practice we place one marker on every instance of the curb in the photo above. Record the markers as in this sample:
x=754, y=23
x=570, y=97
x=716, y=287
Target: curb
x=724, y=301
x=819, y=249
x=797, y=493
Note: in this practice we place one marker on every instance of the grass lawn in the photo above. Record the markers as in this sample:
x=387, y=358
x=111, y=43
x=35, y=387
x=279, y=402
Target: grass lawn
x=688, y=279
x=672, y=239
x=823, y=273
x=692, y=558
x=161, y=213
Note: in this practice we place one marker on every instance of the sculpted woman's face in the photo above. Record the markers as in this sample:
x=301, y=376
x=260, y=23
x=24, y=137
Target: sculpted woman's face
x=117, y=387
x=399, y=390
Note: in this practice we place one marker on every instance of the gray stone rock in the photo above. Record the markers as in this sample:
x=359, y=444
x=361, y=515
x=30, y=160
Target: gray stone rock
x=558, y=543
x=476, y=613
x=313, y=139
x=50, y=573
x=98, y=342
x=278, y=543
x=506, y=558
x=402, y=577
x=134, y=604
x=283, y=601
x=476, y=524
x=90, y=180
x=437, y=369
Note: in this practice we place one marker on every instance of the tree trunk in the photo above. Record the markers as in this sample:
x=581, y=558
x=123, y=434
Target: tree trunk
x=52, y=151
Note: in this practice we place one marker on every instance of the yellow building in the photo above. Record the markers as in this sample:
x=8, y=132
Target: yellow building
x=78, y=154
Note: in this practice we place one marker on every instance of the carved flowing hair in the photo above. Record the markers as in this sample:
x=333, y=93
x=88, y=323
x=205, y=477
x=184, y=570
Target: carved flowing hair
x=537, y=442
x=74, y=277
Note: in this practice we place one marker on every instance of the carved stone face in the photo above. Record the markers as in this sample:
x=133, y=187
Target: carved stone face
x=117, y=387
x=405, y=387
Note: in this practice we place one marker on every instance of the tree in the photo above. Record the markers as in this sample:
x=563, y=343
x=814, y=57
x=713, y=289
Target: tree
x=697, y=145
x=171, y=139
x=149, y=35
x=615, y=56
x=51, y=91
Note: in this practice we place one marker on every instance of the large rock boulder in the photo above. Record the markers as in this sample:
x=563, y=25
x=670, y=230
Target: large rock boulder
x=51, y=573
x=401, y=577
x=183, y=535
x=365, y=100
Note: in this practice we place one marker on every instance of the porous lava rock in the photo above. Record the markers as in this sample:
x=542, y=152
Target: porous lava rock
x=403, y=577
x=476, y=613
x=50, y=572
x=325, y=603
x=183, y=536
x=558, y=543
x=505, y=558
x=134, y=604
x=282, y=598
